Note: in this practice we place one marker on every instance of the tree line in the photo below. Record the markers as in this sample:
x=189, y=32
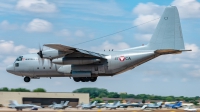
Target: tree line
x=5, y=89
x=98, y=93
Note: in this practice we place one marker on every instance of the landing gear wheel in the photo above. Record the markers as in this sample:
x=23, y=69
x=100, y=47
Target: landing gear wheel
x=87, y=79
x=93, y=79
x=76, y=79
x=27, y=79
x=82, y=79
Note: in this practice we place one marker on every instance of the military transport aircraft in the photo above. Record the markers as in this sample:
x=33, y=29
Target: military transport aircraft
x=83, y=65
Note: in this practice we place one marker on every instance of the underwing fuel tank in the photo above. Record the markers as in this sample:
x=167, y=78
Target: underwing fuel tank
x=74, y=61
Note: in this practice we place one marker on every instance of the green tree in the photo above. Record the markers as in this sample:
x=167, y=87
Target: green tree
x=94, y=92
x=99, y=100
x=19, y=90
x=39, y=90
x=101, y=95
x=130, y=96
x=113, y=95
x=123, y=95
x=169, y=98
x=195, y=102
x=143, y=101
x=4, y=89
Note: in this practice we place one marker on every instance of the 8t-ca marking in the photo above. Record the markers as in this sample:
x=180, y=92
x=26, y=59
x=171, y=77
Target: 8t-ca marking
x=122, y=58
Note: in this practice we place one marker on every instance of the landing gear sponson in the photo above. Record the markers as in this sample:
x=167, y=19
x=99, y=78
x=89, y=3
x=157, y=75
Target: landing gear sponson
x=76, y=79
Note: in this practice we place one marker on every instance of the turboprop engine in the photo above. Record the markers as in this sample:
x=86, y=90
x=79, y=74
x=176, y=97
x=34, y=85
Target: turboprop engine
x=52, y=54
x=74, y=61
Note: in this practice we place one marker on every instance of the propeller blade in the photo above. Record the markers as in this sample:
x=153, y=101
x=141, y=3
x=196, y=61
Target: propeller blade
x=40, y=55
x=50, y=62
x=40, y=51
x=40, y=60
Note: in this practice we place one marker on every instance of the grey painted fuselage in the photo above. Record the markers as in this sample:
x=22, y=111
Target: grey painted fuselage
x=29, y=65
x=83, y=65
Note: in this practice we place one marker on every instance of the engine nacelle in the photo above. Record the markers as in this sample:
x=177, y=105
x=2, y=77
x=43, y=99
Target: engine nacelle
x=74, y=61
x=52, y=54
x=66, y=69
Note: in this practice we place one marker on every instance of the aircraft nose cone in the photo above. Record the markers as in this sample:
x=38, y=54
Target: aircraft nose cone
x=10, y=69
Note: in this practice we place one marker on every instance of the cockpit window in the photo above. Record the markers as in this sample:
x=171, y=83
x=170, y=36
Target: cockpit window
x=19, y=58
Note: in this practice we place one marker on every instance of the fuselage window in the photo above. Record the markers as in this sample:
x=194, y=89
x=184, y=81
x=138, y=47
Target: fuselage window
x=16, y=64
x=37, y=67
x=43, y=67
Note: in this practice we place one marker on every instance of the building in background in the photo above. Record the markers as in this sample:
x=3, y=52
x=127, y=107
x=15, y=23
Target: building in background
x=43, y=98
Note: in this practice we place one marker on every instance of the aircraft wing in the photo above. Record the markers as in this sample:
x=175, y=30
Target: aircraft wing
x=71, y=50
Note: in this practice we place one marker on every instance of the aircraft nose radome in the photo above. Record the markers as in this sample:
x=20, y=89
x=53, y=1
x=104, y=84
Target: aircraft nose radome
x=10, y=69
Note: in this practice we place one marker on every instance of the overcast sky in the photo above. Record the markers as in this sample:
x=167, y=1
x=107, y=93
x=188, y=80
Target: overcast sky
x=26, y=23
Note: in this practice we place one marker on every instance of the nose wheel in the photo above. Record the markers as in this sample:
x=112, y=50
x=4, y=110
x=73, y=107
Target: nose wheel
x=27, y=79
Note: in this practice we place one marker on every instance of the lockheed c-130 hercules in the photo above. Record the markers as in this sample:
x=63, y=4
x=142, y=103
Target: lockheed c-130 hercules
x=83, y=65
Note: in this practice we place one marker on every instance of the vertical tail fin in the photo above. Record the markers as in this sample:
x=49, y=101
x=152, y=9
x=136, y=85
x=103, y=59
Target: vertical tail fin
x=179, y=104
x=129, y=102
x=13, y=102
x=168, y=33
x=54, y=103
x=66, y=103
x=114, y=102
x=118, y=103
x=94, y=103
x=62, y=102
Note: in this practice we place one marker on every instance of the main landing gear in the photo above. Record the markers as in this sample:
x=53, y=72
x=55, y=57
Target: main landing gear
x=76, y=79
x=85, y=79
x=27, y=79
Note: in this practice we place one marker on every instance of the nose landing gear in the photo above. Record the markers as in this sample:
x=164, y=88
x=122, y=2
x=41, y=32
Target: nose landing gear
x=27, y=79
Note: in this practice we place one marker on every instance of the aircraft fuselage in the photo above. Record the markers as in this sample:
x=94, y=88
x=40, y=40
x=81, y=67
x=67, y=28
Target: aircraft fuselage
x=116, y=62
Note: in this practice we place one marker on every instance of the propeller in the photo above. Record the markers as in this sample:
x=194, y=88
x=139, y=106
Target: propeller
x=41, y=59
x=40, y=55
x=50, y=62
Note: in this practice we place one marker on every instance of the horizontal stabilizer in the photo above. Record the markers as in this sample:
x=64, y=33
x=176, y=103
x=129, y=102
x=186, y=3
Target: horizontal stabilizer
x=169, y=51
